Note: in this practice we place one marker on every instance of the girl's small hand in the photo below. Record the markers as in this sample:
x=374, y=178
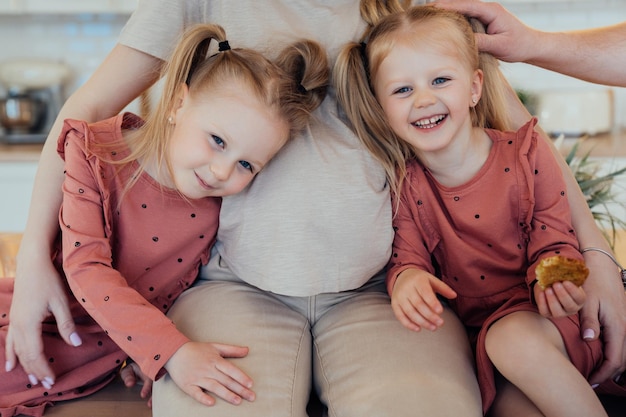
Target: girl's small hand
x=560, y=300
x=131, y=374
x=414, y=299
x=201, y=368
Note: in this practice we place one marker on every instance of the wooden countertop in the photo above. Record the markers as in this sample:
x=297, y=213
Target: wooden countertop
x=20, y=153
x=608, y=145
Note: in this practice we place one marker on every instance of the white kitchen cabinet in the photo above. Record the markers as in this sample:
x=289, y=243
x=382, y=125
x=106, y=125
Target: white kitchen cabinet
x=66, y=6
x=16, y=185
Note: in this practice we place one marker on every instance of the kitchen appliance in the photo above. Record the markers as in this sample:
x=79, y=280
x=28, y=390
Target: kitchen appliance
x=33, y=99
x=575, y=113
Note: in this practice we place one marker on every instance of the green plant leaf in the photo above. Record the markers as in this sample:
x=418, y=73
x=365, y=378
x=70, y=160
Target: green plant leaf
x=597, y=189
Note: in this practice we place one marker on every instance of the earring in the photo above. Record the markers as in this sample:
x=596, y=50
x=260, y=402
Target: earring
x=170, y=120
x=474, y=100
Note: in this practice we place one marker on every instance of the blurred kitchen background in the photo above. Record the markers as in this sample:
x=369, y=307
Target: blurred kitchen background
x=77, y=34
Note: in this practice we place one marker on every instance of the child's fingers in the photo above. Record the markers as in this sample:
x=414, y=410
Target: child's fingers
x=570, y=296
x=199, y=394
x=146, y=391
x=419, y=312
x=235, y=380
x=556, y=305
x=128, y=376
x=442, y=289
x=405, y=320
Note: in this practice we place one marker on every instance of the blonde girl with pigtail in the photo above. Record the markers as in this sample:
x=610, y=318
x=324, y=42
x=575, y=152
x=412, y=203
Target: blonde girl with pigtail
x=476, y=208
x=141, y=201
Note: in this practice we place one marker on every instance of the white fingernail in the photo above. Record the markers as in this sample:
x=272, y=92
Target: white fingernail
x=75, y=339
x=48, y=381
x=33, y=380
x=594, y=386
x=46, y=385
x=8, y=366
x=588, y=334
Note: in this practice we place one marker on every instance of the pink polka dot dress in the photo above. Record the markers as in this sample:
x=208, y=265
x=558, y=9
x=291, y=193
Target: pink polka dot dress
x=486, y=237
x=127, y=255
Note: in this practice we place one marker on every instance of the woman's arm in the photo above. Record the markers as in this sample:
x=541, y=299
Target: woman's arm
x=123, y=75
x=606, y=301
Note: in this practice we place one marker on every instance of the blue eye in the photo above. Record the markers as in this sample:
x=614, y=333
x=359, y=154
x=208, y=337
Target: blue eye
x=247, y=165
x=218, y=141
x=402, y=90
x=440, y=80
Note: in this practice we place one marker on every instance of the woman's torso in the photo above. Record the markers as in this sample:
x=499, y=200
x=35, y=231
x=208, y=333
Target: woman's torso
x=318, y=218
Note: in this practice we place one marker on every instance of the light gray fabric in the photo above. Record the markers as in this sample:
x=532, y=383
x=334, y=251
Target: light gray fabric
x=364, y=362
x=318, y=218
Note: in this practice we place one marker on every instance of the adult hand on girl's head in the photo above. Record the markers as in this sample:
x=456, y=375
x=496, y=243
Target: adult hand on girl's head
x=605, y=311
x=38, y=293
x=414, y=299
x=507, y=38
x=201, y=368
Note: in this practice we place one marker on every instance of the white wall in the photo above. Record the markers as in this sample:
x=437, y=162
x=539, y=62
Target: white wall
x=81, y=41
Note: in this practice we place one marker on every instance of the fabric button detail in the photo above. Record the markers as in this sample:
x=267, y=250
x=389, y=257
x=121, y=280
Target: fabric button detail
x=157, y=357
x=155, y=239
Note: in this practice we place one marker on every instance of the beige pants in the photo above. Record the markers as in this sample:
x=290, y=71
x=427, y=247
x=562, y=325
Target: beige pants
x=361, y=361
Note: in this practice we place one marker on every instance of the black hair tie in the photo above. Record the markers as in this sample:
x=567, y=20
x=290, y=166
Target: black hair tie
x=223, y=46
x=366, y=65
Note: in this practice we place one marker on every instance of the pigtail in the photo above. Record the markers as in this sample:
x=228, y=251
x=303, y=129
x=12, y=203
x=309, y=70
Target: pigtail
x=306, y=66
x=366, y=117
x=374, y=10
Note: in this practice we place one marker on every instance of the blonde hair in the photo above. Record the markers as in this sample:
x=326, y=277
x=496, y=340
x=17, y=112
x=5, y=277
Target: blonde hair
x=358, y=64
x=293, y=85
